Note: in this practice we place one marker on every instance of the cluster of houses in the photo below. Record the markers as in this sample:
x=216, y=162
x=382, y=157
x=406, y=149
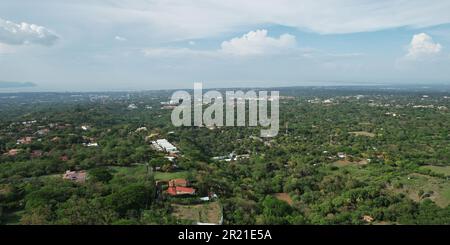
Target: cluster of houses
x=231, y=157
x=170, y=105
x=163, y=145
x=25, y=141
x=33, y=154
x=29, y=123
x=42, y=130
x=320, y=101
x=178, y=187
x=21, y=141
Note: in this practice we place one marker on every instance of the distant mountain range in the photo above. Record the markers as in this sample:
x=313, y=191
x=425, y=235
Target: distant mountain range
x=4, y=84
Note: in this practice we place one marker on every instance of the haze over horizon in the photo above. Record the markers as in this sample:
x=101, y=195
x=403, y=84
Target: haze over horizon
x=142, y=45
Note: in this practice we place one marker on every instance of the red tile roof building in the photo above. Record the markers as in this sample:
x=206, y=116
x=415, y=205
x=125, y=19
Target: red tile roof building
x=180, y=190
x=178, y=182
x=179, y=187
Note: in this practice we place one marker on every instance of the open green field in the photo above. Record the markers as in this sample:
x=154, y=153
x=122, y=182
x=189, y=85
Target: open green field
x=140, y=170
x=345, y=163
x=171, y=175
x=205, y=213
x=438, y=169
x=436, y=189
x=363, y=133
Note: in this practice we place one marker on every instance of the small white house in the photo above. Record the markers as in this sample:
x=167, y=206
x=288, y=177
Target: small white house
x=341, y=155
x=132, y=107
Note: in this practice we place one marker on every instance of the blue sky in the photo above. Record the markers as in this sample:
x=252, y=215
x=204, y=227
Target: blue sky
x=132, y=45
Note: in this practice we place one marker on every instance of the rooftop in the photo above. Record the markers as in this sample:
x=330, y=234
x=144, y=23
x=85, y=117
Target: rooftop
x=180, y=190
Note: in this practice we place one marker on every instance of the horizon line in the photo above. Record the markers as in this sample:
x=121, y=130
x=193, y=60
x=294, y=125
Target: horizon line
x=423, y=85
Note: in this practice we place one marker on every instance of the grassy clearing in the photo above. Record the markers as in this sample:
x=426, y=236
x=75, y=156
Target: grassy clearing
x=438, y=189
x=438, y=169
x=171, y=175
x=363, y=133
x=365, y=173
x=346, y=162
x=141, y=170
x=205, y=213
x=51, y=176
x=434, y=188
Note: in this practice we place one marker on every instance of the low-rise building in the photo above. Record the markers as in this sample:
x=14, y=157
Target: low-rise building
x=36, y=153
x=25, y=141
x=12, y=152
x=163, y=144
x=368, y=218
x=179, y=191
x=44, y=131
x=178, y=182
x=141, y=129
x=132, y=107
x=77, y=176
x=179, y=187
x=55, y=139
x=168, y=107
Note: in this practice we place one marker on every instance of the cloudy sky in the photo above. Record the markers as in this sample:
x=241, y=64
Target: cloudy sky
x=86, y=45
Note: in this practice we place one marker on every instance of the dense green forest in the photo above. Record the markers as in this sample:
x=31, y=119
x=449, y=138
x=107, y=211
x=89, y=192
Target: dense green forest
x=344, y=155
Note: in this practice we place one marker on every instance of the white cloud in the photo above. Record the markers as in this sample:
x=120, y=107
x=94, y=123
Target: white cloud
x=253, y=43
x=24, y=33
x=120, y=39
x=258, y=43
x=180, y=19
x=177, y=20
x=423, y=46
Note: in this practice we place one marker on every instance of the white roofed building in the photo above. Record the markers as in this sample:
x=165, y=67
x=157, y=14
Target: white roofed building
x=166, y=145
